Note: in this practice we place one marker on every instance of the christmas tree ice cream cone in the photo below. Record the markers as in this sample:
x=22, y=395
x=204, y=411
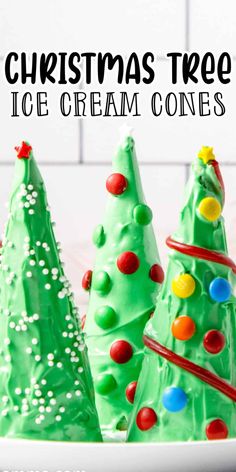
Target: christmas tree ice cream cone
x=187, y=386
x=124, y=285
x=46, y=389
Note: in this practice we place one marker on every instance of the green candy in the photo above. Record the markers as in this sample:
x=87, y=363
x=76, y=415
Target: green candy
x=99, y=236
x=105, y=384
x=101, y=281
x=142, y=214
x=105, y=317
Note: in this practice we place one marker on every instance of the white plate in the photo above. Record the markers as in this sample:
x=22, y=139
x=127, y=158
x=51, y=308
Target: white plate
x=23, y=455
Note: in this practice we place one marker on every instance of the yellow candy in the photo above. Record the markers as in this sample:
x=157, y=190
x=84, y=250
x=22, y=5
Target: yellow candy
x=183, y=285
x=206, y=154
x=210, y=208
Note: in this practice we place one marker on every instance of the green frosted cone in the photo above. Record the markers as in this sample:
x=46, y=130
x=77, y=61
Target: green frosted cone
x=195, y=319
x=123, y=292
x=46, y=389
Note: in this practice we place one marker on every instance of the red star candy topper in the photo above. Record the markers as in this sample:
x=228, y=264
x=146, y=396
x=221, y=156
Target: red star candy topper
x=23, y=151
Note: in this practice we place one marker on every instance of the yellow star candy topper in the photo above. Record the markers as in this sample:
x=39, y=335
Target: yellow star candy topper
x=206, y=154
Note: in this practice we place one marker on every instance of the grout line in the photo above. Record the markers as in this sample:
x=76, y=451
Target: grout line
x=187, y=25
x=184, y=164
x=81, y=162
x=187, y=172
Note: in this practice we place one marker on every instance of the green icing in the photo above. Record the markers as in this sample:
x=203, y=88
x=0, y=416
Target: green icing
x=99, y=236
x=204, y=402
x=46, y=389
x=121, y=312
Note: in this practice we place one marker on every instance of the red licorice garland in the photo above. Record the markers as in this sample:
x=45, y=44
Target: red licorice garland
x=203, y=374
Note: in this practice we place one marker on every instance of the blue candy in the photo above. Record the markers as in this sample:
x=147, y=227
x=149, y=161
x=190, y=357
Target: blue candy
x=220, y=290
x=174, y=399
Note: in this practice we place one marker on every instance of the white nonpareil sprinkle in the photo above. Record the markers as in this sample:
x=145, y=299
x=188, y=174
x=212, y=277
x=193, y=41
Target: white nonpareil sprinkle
x=53, y=401
x=17, y=391
x=29, y=274
x=50, y=394
x=59, y=365
x=31, y=212
x=45, y=271
x=62, y=409
x=29, y=350
x=37, y=358
x=58, y=418
x=34, y=341
x=7, y=341
x=38, y=243
x=42, y=263
x=32, y=262
x=47, y=286
x=69, y=395
x=50, y=356
x=54, y=271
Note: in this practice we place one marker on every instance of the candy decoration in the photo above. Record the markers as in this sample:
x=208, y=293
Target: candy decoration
x=156, y=273
x=214, y=341
x=220, y=290
x=46, y=387
x=217, y=429
x=83, y=321
x=183, y=285
x=121, y=351
x=105, y=317
x=116, y=316
x=105, y=384
x=210, y=208
x=101, y=281
x=23, y=151
x=130, y=391
x=116, y=184
x=87, y=279
x=174, y=399
x=128, y=262
x=142, y=214
x=206, y=154
x=99, y=236
x=146, y=418
x=200, y=360
x=183, y=328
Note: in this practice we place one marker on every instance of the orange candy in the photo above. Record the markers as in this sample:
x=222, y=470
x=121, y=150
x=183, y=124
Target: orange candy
x=183, y=328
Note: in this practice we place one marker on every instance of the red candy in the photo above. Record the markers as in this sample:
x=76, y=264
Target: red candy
x=83, y=320
x=23, y=151
x=128, y=262
x=156, y=273
x=130, y=391
x=87, y=279
x=146, y=418
x=121, y=351
x=214, y=341
x=116, y=184
x=217, y=429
